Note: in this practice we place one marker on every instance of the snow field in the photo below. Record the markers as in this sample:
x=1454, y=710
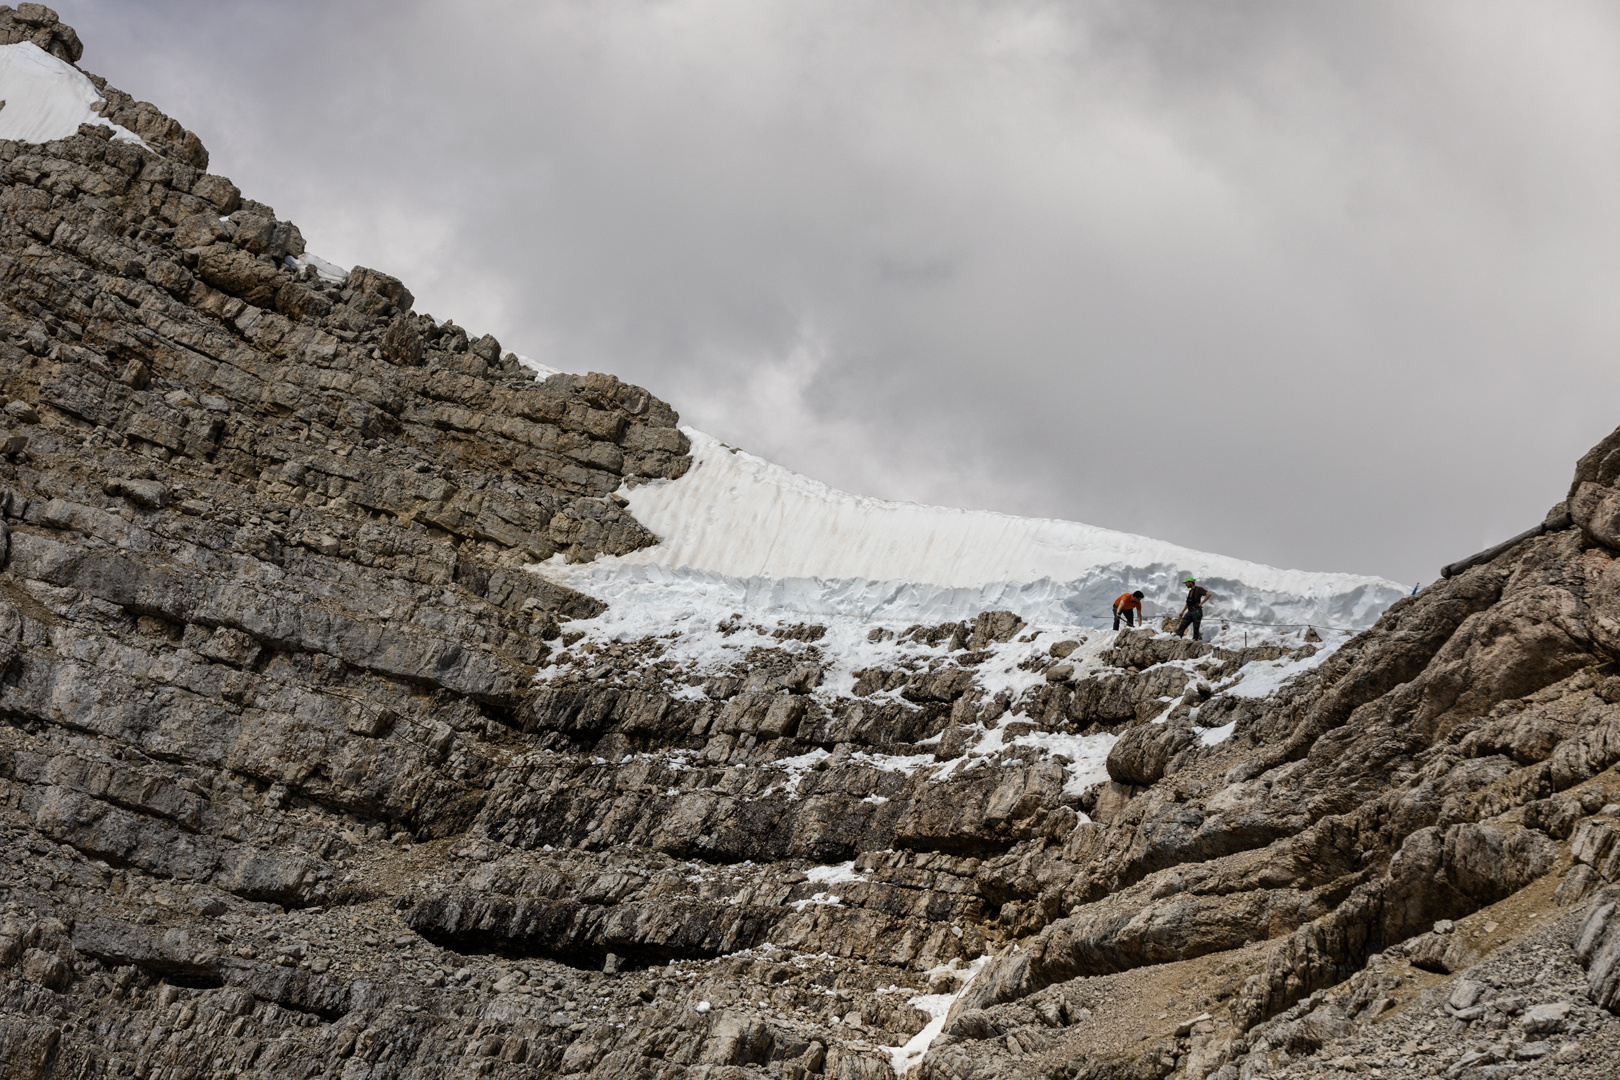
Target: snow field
x=47, y=98
x=700, y=641
x=743, y=532
x=1265, y=677
x=693, y=641
x=686, y=625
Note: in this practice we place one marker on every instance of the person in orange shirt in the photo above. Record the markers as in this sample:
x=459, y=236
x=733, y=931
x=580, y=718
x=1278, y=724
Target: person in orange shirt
x=1128, y=607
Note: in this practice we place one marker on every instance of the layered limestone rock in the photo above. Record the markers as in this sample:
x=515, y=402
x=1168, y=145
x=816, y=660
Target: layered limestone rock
x=305, y=772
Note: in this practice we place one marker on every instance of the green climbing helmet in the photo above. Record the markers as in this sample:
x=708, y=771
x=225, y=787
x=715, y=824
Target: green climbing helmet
x=1188, y=580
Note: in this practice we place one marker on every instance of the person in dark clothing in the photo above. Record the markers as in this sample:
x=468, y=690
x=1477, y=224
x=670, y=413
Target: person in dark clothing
x=1192, y=613
x=1128, y=607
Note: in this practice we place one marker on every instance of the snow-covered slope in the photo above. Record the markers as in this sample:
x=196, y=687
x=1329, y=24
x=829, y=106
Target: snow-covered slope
x=46, y=98
x=739, y=531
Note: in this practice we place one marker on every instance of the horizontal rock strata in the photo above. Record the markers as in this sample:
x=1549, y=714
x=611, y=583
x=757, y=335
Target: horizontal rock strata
x=305, y=771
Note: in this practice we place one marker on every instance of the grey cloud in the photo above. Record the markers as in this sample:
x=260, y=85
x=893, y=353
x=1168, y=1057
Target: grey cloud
x=1322, y=285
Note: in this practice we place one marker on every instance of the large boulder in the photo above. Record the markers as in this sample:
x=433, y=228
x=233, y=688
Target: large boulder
x=1142, y=754
x=1596, y=509
x=376, y=292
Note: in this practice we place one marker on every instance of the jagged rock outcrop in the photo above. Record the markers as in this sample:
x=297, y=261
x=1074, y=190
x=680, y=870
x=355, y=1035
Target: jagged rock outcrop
x=304, y=770
x=41, y=26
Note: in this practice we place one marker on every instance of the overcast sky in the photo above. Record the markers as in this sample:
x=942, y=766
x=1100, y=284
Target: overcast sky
x=1324, y=285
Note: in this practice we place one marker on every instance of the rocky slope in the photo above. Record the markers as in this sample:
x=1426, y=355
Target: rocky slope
x=302, y=773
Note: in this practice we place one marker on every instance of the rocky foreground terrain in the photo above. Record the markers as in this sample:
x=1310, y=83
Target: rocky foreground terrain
x=303, y=772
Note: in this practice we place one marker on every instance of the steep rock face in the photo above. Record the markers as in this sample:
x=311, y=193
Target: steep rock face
x=1381, y=720
x=302, y=772
x=1417, y=775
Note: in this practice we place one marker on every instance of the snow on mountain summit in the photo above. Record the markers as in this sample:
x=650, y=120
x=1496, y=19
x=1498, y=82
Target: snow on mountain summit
x=737, y=530
x=47, y=98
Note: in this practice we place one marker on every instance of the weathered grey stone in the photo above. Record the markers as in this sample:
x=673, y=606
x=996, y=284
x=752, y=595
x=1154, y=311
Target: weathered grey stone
x=1597, y=946
x=1465, y=993
x=199, y=231
x=946, y=684
x=147, y=493
x=1545, y=1019
x=377, y=292
x=992, y=626
x=402, y=344
x=230, y=647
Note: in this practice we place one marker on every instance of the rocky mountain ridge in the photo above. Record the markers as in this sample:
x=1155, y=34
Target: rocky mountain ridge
x=305, y=772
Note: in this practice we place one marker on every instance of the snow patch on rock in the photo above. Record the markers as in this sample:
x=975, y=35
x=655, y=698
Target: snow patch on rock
x=47, y=98
x=938, y=1007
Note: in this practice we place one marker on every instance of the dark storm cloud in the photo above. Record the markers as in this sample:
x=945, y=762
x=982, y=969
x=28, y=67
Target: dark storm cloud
x=1324, y=285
